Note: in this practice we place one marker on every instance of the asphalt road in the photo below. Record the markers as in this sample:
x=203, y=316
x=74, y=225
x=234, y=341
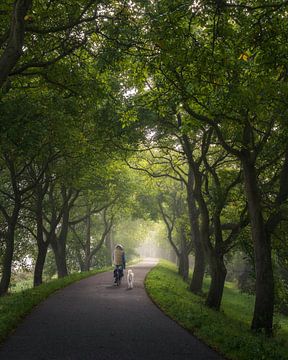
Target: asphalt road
x=92, y=319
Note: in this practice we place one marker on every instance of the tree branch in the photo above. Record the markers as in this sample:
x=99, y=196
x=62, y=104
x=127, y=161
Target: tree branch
x=15, y=41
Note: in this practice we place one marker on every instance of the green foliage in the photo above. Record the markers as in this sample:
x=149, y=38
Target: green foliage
x=228, y=331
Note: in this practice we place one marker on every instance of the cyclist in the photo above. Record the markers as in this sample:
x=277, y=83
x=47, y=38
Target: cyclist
x=119, y=261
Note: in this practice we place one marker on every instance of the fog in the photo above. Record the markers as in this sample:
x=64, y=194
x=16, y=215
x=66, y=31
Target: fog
x=150, y=247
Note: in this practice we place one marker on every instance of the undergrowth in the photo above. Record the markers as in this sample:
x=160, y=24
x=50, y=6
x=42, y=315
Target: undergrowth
x=227, y=331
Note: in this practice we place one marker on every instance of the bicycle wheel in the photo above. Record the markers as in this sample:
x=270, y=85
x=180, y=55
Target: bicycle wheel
x=117, y=277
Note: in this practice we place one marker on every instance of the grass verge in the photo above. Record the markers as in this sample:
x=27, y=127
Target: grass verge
x=226, y=331
x=15, y=306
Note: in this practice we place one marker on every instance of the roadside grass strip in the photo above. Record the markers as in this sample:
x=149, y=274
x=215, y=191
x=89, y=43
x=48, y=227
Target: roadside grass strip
x=227, y=331
x=15, y=306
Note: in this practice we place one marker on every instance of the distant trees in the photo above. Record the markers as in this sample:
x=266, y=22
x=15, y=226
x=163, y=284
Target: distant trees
x=173, y=211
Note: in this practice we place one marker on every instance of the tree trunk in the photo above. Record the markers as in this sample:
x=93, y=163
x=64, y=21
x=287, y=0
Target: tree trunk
x=87, y=264
x=88, y=240
x=7, y=263
x=264, y=302
x=39, y=265
x=61, y=264
x=14, y=48
x=218, y=276
x=41, y=243
x=217, y=266
x=215, y=256
x=109, y=249
x=59, y=242
x=218, y=270
x=60, y=258
x=199, y=271
x=199, y=263
x=183, y=268
x=59, y=248
x=9, y=251
x=199, y=232
x=80, y=261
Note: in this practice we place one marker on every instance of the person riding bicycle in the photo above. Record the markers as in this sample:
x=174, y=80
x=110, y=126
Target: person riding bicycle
x=119, y=260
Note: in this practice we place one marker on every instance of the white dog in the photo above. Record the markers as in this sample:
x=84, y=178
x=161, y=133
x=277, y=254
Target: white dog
x=130, y=279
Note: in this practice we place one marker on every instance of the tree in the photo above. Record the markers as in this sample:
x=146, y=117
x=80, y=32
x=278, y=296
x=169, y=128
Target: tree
x=173, y=210
x=96, y=218
x=165, y=158
x=61, y=28
x=212, y=61
x=22, y=143
x=13, y=38
x=220, y=87
x=215, y=183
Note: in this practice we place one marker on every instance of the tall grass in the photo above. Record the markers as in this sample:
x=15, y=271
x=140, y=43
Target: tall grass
x=227, y=331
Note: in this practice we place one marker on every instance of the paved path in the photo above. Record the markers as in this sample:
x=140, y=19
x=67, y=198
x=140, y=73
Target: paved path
x=92, y=319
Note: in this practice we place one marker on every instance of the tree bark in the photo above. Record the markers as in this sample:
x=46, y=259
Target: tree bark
x=87, y=263
x=59, y=243
x=204, y=230
x=80, y=261
x=218, y=276
x=199, y=263
x=215, y=254
x=42, y=245
x=198, y=271
x=13, y=50
x=9, y=250
x=60, y=257
x=88, y=240
x=217, y=266
x=183, y=268
x=39, y=265
x=264, y=302
x=109, y=249
x=7, y=264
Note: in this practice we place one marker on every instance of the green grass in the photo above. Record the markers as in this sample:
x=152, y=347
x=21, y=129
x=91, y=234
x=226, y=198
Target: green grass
x=21, y=285
x=15, y=306
x=226, y=331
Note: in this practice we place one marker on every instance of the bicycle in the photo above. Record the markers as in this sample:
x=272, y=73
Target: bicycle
x=117, y=275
